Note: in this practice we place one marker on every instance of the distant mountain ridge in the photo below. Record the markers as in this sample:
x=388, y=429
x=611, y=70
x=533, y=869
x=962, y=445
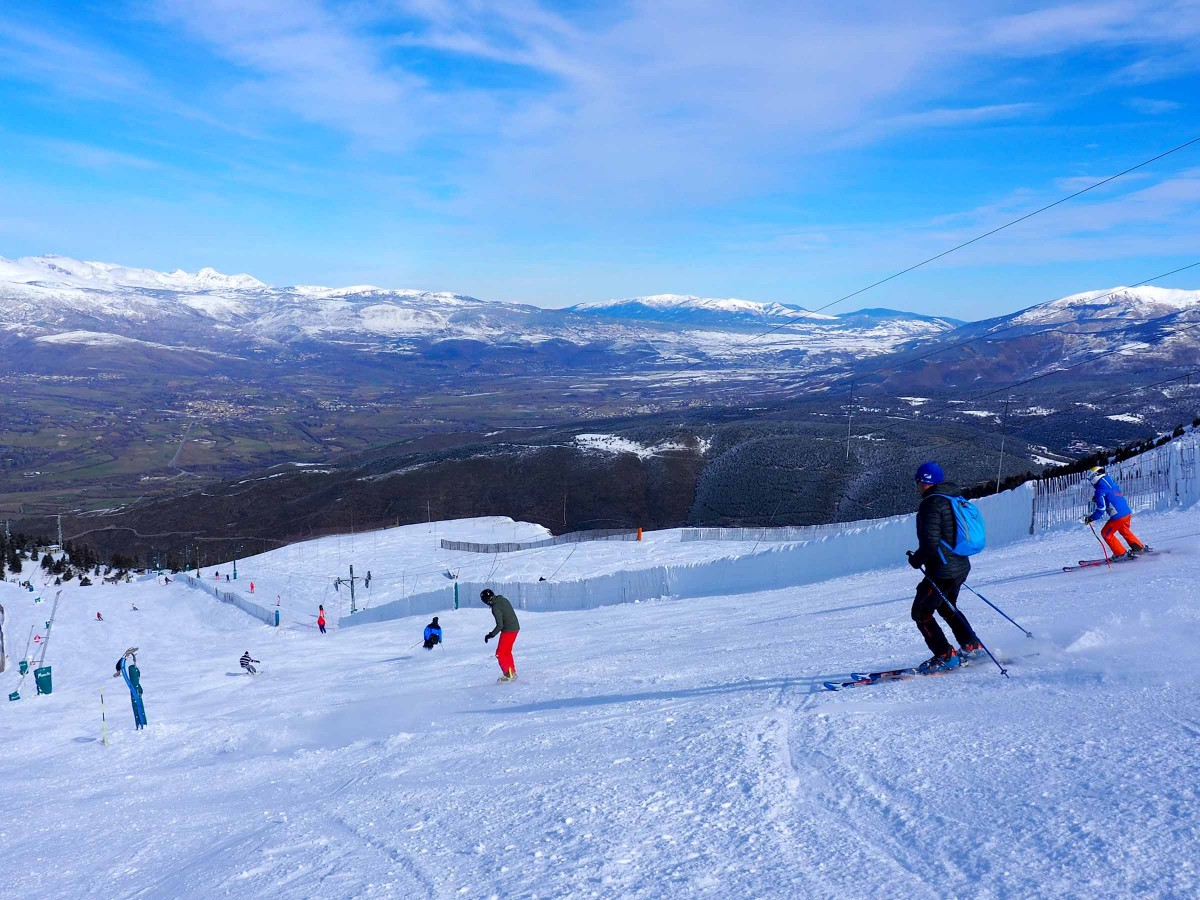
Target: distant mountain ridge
x=135, y=319
x=58, y=299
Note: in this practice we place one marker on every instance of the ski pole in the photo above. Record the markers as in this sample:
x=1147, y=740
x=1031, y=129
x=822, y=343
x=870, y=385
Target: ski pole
x=103, y=719
x=963, y=619
x=1028, y=634
x=1103, y=546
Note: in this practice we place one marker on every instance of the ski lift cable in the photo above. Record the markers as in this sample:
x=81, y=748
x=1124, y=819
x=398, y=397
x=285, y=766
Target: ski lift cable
x=1016, y=384
x=848, y=381
x=1111, y=178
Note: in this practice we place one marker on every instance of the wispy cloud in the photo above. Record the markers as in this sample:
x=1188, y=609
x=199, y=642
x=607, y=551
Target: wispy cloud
x=89, y=156
x=534, y=124
x=1150, y=107
x=1154, y=220
x=646, y=104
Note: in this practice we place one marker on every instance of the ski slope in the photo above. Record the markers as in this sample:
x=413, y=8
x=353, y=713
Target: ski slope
x=658, y=750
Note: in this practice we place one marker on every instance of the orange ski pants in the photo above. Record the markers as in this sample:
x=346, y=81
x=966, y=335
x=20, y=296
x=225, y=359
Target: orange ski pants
x=1120, y=526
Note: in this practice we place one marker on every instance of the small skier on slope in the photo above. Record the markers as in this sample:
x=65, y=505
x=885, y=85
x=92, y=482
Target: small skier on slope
x=945, y=572
x=1109, y=501
x=507, y=627
x=433, y=634
x=246, y=661
x=321, y=618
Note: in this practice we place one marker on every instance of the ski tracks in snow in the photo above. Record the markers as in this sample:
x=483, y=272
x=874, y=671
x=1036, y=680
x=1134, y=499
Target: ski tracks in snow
x=831, y=820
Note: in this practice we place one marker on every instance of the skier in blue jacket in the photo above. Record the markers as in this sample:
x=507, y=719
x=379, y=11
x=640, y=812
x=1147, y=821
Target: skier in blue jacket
x=1108, y=501
x=433, y=634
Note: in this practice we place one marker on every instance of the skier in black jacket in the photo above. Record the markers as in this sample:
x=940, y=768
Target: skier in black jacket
x=945, y=572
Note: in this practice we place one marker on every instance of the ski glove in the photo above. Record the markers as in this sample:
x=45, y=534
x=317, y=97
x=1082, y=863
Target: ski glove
x=486, y=638
x=1087, y=520
x=912, y=559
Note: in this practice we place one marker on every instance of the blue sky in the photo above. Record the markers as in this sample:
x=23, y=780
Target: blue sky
x=553, y=153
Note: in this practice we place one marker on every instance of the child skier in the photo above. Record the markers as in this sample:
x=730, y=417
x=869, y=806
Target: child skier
x=1109, y=501
x=321, y=618
x=507, y=627
x=246, y=660
x=433, y=634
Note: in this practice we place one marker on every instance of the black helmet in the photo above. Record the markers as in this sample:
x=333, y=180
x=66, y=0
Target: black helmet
x=486, y=594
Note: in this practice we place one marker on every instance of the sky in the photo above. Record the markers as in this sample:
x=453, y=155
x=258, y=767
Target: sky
x=553, y=153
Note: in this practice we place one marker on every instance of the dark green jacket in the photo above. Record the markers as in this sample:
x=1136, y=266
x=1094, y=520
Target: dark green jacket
x=506, y=619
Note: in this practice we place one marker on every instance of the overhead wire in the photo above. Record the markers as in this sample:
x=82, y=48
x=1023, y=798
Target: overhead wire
x=944, y=253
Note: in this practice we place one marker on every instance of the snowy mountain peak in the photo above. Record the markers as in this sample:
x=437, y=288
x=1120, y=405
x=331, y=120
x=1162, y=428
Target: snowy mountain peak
x=684, y=307
x=67, y=272
x=1144, y=302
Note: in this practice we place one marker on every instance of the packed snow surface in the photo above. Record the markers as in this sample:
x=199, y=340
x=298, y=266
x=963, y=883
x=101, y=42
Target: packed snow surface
x=673, y=749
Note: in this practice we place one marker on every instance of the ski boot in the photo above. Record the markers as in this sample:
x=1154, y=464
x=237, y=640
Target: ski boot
x=946, y=662
x=971, y=651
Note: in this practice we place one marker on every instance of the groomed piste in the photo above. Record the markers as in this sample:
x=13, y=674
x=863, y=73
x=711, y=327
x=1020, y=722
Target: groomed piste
x=672, y=748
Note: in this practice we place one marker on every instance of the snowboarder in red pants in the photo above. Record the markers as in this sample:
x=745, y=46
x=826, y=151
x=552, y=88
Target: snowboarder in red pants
x=507, y=627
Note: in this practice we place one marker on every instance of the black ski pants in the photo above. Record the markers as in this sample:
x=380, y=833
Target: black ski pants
x=940, y=595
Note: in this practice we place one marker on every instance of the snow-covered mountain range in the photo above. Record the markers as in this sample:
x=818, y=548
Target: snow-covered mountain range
x=59, y=300
x=126, y=317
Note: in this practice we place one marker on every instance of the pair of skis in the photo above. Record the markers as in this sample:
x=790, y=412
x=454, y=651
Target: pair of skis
x=127, y=668
x=1119, y=560
x=860, y=679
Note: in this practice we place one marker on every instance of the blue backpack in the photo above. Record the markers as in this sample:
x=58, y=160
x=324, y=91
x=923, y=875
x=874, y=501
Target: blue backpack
x=971, y=534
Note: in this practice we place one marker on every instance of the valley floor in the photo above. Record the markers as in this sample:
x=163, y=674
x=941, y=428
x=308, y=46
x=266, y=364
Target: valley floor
x=667, y=749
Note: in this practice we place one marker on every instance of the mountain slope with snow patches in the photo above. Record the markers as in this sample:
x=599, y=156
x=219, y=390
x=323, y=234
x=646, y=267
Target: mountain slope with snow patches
x=43, y=295
x=670, y=749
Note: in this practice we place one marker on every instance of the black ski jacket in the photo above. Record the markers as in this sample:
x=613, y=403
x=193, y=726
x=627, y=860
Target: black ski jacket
x=935, y=525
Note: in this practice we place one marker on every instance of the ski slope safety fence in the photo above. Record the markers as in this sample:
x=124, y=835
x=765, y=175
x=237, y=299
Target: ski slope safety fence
x=871, y=545
x=786, y=534
x=264, y=615
x=574, y=537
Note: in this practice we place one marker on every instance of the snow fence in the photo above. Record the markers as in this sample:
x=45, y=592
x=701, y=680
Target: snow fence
x=786, y=534
x=573, y=537
x=264, y=615
x=870, y=545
